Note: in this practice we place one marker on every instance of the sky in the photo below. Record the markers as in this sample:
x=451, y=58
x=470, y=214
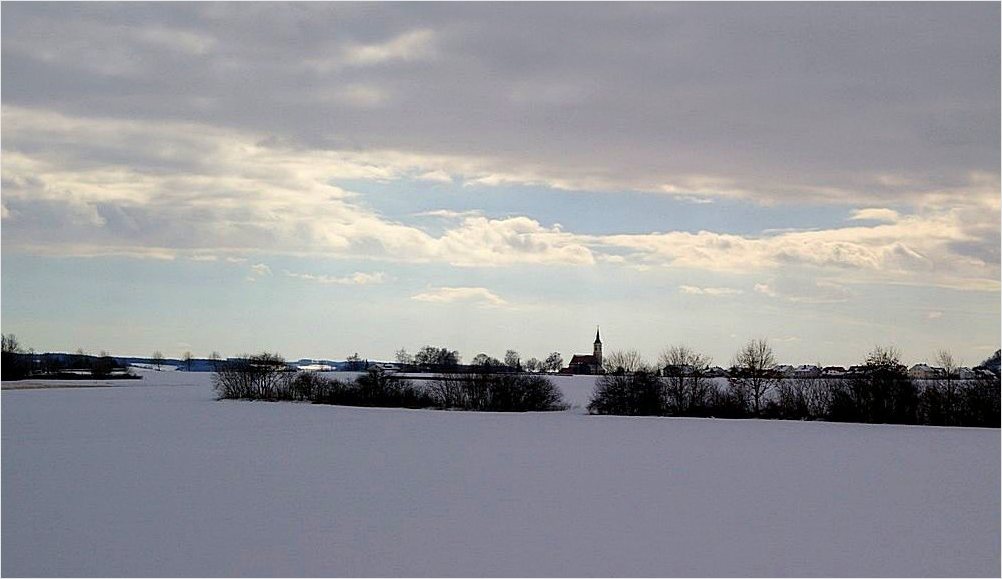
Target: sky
x=321, y=179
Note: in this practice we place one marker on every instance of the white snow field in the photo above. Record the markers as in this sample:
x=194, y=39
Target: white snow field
x=148, y=480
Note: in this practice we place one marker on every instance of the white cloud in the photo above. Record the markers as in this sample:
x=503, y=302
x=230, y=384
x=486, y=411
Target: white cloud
x=411, y=45
x=229, y=192
x=357, y=278
x=934, y=315
x=260, y=270
x=414, y=45
x=814, y=292
x=83, y=186
x=449, y=213
x=763, y=288
x=480, y=241
x=709, y=291
x=437, y=176
x=477, y=295
x=921, y=249
x=876, y=214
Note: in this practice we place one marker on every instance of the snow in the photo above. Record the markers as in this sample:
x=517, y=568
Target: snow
x=165, y=481
x=165, y=367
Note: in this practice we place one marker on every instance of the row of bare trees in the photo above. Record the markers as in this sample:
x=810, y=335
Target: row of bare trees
x=267, y=377
x=879, y=391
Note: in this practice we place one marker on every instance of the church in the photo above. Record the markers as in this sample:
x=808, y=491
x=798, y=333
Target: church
x=585, y=364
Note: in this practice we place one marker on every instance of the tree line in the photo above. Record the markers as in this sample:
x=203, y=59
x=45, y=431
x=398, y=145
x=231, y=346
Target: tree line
x=878, y=391
x=19, y=362
x=436, y=358
x=266, y=376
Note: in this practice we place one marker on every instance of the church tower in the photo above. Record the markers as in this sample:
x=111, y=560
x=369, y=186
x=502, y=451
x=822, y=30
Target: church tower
x=597, y=351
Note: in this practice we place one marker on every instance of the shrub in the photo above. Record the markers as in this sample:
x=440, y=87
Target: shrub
x=800, y=399
x=884, y=392
x=979, y=402
x=16, y=363
x=726, y=403
x=261, y=377
x=376, y=388
x=637, y=394
x=498, y=392
x=101, y=367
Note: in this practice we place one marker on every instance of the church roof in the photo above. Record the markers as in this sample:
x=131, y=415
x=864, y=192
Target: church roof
x=598, y=339
x=582, y=359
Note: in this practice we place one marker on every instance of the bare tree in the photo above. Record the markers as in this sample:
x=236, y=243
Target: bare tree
x=554, y=362
x=157, y=359
x=215, y=358
x=883, y=392
x=951, y=371
x=512, y=359
x=533, y=365
x=752, y=373
x=403, y=357
x=437, y=357
x=624, y=361
x=939, y=398
x=187, y=357
x=262, y=377
x=482, y=359
x=14, y=362
x=355, y=363
x=686, y=384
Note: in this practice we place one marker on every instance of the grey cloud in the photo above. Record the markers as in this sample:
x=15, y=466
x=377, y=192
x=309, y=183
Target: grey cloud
x=773, y=101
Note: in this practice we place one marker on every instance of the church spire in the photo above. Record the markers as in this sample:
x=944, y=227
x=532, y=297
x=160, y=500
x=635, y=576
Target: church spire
x=597, y=352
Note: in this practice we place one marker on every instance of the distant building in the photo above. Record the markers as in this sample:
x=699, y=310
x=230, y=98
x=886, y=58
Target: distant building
x=784, y=369
x=584, y=363
x=925, y=372
x=807, y=371
x=833, y=371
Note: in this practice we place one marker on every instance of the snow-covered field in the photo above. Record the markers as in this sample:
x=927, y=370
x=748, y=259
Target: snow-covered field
x=152, y=481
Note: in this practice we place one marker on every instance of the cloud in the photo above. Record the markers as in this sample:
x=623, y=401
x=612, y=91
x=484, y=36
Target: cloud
x=175, y=39
x=411, y=45
x=807, y=292
x=99, y=186
x=450, y=214
x=763, y=288
x=478, y=295
x=720, y=115
x=709, y=291
x=357, y=278
x=362, y=96
x=876, y=214
x=257, y=271
x=436, y=176
x=934, y=315
x=105, y=182
x=921, y=249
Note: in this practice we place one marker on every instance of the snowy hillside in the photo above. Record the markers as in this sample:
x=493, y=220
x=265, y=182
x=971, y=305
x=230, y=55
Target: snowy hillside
x=142, y=480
